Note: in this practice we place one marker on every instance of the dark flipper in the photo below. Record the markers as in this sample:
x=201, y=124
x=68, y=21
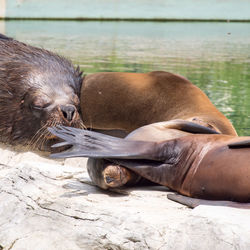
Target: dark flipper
x=190, y=127
x=193, y=202
x=5, y=37
x=91, y=144
x=240, y=144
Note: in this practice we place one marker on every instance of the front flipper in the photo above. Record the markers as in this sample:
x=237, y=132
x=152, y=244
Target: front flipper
x=188, y=126
x=193, y=202
x=240, y=144
x=91, y=144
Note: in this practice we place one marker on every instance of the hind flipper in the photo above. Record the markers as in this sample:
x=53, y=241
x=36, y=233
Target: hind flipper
x=194, y=202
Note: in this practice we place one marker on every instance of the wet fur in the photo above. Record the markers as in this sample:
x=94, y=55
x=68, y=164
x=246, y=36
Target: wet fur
x=30, y=75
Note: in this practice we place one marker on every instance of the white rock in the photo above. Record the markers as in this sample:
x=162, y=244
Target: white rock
x=47, y=204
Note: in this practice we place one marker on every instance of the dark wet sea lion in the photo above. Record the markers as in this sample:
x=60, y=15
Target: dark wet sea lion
x=38, y=89
x=208, y=166
x=127, y=101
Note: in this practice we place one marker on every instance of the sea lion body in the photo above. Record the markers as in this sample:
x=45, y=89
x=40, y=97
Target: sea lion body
x=108, y=175
x=208, y=166
x=127, y=101
x=38, y=89
x=222, y=173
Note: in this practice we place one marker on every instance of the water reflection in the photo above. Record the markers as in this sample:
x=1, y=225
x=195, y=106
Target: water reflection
x=214, y=56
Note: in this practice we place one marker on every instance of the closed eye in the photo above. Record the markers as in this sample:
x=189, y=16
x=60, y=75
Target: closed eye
x=39, y=107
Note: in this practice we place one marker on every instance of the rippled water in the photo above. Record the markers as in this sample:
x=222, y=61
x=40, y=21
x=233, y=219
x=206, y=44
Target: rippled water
x=214, y=56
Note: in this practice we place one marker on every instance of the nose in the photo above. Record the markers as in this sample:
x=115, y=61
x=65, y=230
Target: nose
x=109, y=179
x=68, y=111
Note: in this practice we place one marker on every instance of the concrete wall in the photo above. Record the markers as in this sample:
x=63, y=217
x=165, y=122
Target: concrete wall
x=127, y=9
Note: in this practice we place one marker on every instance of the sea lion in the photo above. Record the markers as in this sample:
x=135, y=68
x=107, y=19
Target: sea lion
x=38, y=89
x=108, y=175
x=207, y=166
x=127, y=101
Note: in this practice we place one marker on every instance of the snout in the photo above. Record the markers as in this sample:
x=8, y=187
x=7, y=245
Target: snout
x=68, y=112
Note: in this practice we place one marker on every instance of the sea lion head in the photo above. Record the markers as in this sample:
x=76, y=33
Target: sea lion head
x=38, y=89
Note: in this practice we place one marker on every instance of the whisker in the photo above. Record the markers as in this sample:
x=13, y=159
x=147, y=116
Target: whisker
x=39, y=139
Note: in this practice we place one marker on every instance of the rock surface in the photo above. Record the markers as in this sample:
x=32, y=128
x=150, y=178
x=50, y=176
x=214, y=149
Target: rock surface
x=47, y=204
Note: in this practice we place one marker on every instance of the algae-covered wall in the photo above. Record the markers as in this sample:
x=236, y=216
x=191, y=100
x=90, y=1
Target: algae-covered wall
x=129, y=9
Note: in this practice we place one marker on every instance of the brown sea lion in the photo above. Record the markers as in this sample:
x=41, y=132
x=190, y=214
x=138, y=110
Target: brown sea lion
x=127, y=101
x=208, y=166
x=38, y=89
x=107, y=175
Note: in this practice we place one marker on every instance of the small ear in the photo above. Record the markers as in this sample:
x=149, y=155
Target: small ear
x=190, y=127
x=3, y=37
x=239, y=144
x=80, y=76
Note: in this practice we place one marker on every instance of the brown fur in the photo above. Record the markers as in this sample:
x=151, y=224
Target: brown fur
x=127, y=101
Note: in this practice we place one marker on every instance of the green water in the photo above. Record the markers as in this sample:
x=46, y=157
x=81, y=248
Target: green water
x=214, y=56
